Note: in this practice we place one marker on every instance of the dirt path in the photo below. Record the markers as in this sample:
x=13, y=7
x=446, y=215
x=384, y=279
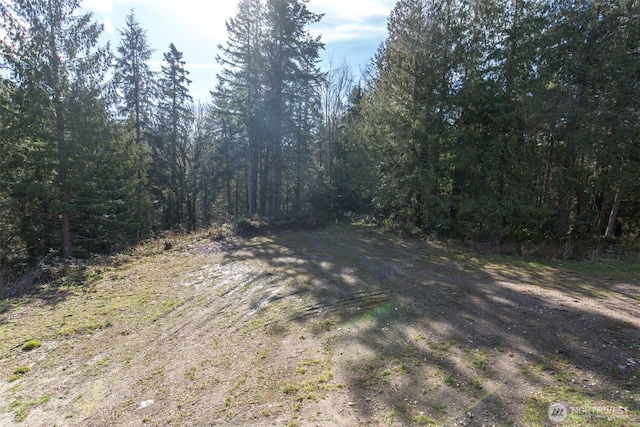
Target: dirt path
x=342, y=326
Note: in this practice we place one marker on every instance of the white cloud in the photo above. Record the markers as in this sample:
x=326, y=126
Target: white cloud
x=343, y=20
x=102, y=7
x=350, y=31
x=108, y=26
x=196, y=66
x=352, y=10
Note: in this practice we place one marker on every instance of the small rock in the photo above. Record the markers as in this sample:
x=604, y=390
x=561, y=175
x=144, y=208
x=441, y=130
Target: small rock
x=145, y=404
x=351, y=404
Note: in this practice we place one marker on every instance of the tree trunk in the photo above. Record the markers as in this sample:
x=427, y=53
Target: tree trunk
x=276, y=181
x=252, y=177
x=613, y=217
x=63, y=160
x=63, y=178
x=264, y=181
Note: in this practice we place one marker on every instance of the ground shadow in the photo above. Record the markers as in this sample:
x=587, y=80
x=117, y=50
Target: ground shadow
x=50, y=284
x=422, y=335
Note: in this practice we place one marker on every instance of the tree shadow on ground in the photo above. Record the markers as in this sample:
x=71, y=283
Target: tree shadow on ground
x=421, y=335
x=50, y=284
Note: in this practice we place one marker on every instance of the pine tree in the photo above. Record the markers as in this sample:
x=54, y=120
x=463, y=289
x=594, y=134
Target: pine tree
x=240, y=89
x=505, y=118
x=132, y=75
x=171, y=137
x=51, y=49
x=108, y=177
x=269, y=65
x=410, y=97
x=291, y=54
x=27, y=180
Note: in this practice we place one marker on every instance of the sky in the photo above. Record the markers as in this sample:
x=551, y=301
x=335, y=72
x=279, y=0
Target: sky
x=351, y=30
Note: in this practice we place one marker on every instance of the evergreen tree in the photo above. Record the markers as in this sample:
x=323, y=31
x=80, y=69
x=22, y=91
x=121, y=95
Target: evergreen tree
x=496, y=145
x=240, y=90
x=27, y=181
x=136, y=85
x=170, y=147
x=410, y=101
x=291, y=55
x=51, y=49
x=504, y=119
x=133, y=77
x=269, y=75
x=108, y=177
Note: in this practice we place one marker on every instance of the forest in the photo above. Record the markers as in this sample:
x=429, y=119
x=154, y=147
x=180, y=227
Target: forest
x=485, y=121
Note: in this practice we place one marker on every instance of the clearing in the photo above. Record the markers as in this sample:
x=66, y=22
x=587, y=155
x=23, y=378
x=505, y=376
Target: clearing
x=341, y=326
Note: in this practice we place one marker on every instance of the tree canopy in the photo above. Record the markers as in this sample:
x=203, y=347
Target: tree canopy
x=491, y=120
x=506, y=119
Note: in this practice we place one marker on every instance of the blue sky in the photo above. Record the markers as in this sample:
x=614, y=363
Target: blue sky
x=351, y=30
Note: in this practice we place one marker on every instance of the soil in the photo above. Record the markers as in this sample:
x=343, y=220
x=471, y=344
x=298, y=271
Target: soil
x=341, y=326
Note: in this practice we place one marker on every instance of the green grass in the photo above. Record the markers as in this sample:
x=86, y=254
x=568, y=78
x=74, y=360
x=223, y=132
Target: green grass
x=191, y=373
x=18, y=373
x=31, y=345
x=290, y=388
x=21, y=409
x=440, y=408
x=450, y=380
x=326, y=376
x=424, y=420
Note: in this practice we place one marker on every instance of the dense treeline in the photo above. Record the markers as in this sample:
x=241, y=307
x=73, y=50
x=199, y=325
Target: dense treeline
x=99, y=151
x=267, y=105
x=489, y=120
x=67, y=173
x=514, y=119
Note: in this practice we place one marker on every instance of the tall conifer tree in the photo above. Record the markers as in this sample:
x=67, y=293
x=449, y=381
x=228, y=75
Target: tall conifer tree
x=51, y=50
x=291, y=54
x=171, y=139
x=133, y=75
x=240, y=87
x=269, y=65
